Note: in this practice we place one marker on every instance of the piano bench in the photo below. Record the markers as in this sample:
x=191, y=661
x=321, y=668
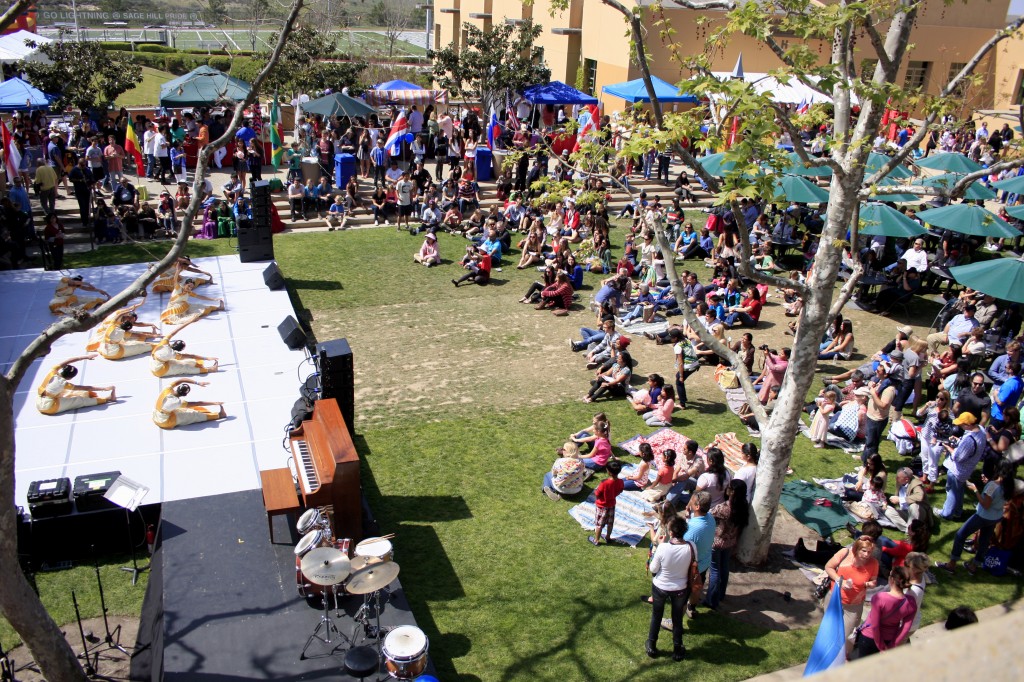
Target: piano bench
x=279, y=496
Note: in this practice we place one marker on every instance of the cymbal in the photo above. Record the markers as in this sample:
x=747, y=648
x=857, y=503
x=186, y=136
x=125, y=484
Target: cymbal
x=325, y=566
x=372, y=578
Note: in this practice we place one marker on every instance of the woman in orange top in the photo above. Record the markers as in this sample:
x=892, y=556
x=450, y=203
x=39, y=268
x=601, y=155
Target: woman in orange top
x=856, y=571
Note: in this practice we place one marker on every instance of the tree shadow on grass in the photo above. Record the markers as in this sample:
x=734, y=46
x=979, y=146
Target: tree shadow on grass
x=316, y=284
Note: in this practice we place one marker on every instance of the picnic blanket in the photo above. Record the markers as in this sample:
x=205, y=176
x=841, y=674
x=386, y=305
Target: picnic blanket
x=661, y=440
x=798, y=498
x=835, y=441
x=837, y=486
x=732, y=448
x=630, y=522
x=735, y=398
x=656, y=326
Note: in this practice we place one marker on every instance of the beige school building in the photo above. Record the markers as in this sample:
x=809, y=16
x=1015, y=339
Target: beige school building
x=593, y=37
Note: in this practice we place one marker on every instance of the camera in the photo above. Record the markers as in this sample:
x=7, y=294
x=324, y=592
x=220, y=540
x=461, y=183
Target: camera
x=764, y=347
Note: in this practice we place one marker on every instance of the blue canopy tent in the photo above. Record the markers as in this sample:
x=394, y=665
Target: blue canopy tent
x=636, y=91
x=556, y=93
x=18, y=95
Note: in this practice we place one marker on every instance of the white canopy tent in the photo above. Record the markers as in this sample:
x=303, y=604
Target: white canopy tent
x=793, y=92
x=14, y=47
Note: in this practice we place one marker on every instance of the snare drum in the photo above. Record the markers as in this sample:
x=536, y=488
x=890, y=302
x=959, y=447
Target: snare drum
x=375, y=550
x=311, y=540
x=310, y=519
x=405, y=652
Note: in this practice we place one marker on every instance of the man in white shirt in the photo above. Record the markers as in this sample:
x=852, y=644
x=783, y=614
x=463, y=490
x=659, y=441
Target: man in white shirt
x=393, y=174
x=149, y=149
x=916, y=257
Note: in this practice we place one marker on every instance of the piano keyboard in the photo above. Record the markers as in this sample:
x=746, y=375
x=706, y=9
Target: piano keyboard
x=306, y=470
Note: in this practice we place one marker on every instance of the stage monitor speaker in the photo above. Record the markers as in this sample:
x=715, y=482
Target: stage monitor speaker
x=272, y=277
x=337, y=377
x=291, y=333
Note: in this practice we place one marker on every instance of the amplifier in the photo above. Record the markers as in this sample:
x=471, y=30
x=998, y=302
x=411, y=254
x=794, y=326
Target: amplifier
x=49, y=498
x=337, y=377
x=90, y=489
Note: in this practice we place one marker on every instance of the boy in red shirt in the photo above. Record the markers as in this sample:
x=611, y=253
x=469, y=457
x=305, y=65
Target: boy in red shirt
x=604, y=499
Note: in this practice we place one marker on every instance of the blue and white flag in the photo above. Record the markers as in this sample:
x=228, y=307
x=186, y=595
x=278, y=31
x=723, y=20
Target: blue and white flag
x=829, y=650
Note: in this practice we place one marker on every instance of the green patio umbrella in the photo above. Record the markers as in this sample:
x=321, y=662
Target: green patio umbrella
x=898, y=198
x=338, y=104
x=975, y=191
x=800, y=190
x=716, y=164
x=1014, y=185
x=797, y=167
x=879, y=219
x=1015, y=212
x=201, y=87
x=951, y=162
x=876, y=161
x=969, y=219
x=1000, y=277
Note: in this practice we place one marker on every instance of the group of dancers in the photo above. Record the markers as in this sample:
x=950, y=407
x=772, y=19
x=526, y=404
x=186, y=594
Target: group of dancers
x=121, y=335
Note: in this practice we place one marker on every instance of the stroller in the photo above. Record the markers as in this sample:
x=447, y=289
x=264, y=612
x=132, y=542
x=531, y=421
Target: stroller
x=908, y=443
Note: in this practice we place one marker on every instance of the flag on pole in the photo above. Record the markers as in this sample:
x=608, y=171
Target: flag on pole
x=493, y=128
x=513, y=120
x=398, y=130
x=733, y=132
x=298, y=117
x=132, y=146
x=590, y=127
x=276, y=146
x=829, y=649
x=12, y=157
x=804, y=106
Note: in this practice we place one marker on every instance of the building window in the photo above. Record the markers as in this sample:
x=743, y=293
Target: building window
x=917, y=75
x=954, y=69
x=590, y=73
x=867, y=69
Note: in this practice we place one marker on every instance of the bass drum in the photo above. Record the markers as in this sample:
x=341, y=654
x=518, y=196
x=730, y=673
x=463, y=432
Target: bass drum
x=405, y=652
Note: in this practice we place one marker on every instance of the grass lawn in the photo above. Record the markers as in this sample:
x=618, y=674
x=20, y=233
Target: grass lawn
x=462, y=397
x=147, y=92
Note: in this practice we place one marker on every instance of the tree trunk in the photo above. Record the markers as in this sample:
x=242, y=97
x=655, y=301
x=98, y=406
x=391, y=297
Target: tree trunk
x=18, y=601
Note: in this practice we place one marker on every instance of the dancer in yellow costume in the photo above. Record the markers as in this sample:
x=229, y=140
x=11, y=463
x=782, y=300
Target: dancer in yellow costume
x=171, y=410
x=56, y=394
x=117, y=318
x=168, y=360
x=179, y=310
x=166, y=281
x=66, y=298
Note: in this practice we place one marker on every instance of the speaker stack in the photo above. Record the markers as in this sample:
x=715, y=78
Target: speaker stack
x=337, y=378
x=255, y=240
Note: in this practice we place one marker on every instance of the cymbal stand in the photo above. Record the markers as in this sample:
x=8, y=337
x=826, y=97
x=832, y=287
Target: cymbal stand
x=371, y=610
x=329, y=628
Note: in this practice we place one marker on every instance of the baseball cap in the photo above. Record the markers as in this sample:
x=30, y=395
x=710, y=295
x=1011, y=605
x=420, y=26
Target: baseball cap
x=965, y=418
x=905, y=329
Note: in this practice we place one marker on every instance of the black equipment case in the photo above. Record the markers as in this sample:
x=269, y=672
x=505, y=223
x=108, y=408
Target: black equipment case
x=49, y=498
x=90, y=489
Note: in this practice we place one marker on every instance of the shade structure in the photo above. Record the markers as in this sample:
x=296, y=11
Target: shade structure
x=1000, y=277
x=783, y=91
x=15, y=47
x=636, y=91
x=969, y=219
x=18, y=95
x=800, y=190
x=975, y=191
x=555, y=93
x=203, y=86
x=716, y=164
x=1015, y=212
x=1014, y=185
x=950, y=162
x=899, y=197
x=876, y=161
x=338, y=104
x=879, y=219
x=403, y=93
x=797, y=167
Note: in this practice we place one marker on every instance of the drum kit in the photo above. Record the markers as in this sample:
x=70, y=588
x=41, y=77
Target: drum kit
x=325, y=570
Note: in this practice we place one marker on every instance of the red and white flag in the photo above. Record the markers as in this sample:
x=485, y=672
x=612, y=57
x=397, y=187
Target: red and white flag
x=592, y=126
x=398, y=130
x=12, y=157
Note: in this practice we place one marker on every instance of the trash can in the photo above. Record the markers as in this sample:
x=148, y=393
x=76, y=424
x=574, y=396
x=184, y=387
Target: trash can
x=484, y=160
x=499, y=161
x=344, y=169
x=311, y=169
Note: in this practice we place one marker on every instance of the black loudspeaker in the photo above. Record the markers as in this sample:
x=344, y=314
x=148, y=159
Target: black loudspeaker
x=255, y=239
x=291, y=333
x=272, y=277
x=337, y=377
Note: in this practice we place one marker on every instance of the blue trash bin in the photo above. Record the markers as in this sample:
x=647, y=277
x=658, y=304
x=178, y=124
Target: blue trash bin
x=344, y=169
x=484, y=164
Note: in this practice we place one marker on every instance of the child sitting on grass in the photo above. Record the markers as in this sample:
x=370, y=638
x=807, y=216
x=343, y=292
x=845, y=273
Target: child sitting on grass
x=604, y=501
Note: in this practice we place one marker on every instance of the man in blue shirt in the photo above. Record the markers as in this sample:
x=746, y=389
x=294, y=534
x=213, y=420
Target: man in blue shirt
x=956, y=331
x=245, y=134
x=492, y=245
x=701, y=532
x=1007, y=396
x=19, y=197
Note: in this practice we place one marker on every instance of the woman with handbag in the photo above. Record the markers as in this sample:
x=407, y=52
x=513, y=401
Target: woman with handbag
x=731, y=518
x=856, y=571
x=671, y=567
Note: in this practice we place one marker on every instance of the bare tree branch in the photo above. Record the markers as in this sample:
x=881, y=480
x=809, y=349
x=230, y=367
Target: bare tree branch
x=879, y=44
x=13, y=12
x=798, y=143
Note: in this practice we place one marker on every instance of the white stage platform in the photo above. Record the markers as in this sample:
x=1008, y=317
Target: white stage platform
x=258, y=382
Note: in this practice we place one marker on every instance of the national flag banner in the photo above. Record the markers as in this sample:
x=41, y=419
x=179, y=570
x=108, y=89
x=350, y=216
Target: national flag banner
x=276, y=147
x=298, y=117
x=829, y=649
x=804, y=106
x=398, y=130
x=513, y=120
x=493, y=128
x=12, y=157
x=733, y=132
x=132, y=146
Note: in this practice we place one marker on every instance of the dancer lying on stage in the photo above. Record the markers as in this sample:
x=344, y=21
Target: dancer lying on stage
x=116, y=318
x=167, y=280
x=168, y=360
x=56, y=394
x=179, y=310
x=66, y=297
x=171, y=410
